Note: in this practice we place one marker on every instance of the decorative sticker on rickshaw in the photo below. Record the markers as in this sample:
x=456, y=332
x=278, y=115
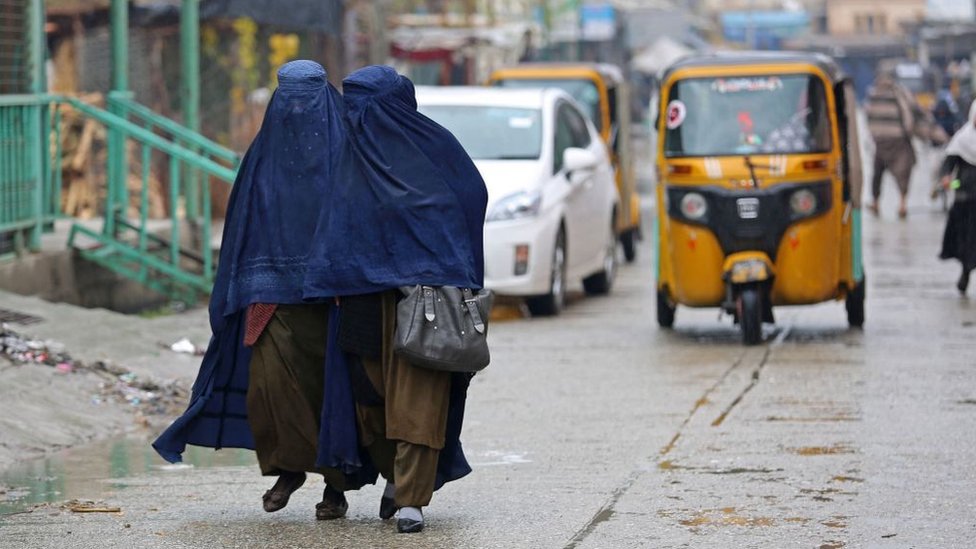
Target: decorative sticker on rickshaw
x=747, y=84
x=676, y=114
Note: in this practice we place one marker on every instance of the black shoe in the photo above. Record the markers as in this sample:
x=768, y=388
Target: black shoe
x=409, y=526
x=333, y=505
x=963, y=282
x=388, y=508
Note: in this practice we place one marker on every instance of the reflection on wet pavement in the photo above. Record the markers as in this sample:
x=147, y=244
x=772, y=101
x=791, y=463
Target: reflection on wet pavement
x=96, y=471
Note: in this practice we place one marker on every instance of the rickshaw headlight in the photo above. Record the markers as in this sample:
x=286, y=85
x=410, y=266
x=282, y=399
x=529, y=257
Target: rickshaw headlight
x=694, y=206
x=803, y=202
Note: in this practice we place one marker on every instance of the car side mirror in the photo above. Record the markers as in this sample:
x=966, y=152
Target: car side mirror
x=579, y=164
x=576, y=159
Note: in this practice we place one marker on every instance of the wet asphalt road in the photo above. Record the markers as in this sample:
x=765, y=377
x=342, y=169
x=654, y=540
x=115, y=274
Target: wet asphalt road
x=598, y=430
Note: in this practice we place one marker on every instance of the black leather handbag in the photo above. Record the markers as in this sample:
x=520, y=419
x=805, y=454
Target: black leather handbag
x=443, y=327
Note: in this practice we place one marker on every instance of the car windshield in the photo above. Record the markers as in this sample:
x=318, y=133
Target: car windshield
x=746, y=115
x=584, y=91
x=492, y=133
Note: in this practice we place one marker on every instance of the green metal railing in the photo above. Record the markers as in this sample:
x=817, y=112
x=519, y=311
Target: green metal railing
x=180, y=263
x=24, y=192
x=24, y=186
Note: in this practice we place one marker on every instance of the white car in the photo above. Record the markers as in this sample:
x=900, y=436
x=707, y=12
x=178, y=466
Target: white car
x=552, y=201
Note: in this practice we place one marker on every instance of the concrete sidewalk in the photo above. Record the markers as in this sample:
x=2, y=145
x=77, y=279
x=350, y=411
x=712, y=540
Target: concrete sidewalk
x=43, y=410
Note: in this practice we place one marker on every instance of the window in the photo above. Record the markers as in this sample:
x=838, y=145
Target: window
x=492, y=133
x=583, y=91
x=762, y=114
x=577, y=126
x=563, y=138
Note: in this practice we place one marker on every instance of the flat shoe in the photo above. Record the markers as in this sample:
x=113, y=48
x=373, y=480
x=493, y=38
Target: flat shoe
x=277, y=497
x=388, y=508
x=963, y=283
x=409, y=526
x=333, y=505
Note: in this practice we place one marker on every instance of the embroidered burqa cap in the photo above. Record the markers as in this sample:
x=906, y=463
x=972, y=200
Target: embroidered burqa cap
x=408, y=204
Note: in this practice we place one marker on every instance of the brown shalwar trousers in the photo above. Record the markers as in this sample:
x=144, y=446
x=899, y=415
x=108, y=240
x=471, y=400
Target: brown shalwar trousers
x=896, y=156
x=405, y=435
x=285, y=391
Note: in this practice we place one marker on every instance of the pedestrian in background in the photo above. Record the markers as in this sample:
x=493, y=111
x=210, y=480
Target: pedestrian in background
x=959, y=172
x=409, y=209
x=261, y=383
x=890, y=111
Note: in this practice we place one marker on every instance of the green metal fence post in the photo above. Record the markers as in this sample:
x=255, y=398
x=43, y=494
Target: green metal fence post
x=36, y=139
x=118, y=169
x=190, y=92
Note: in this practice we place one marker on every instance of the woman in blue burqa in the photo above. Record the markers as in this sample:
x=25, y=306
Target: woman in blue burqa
x=411, y=205
x=264, y=382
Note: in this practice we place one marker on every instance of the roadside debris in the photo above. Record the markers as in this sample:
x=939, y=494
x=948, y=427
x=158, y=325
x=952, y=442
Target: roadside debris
x=185, y=346
x=87, y=506
x=149, y=397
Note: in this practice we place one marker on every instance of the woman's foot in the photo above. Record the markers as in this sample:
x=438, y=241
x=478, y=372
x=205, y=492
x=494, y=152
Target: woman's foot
x=873, y=208
x=902, y=212
x=332, y=506
x=963, y=283
x=387, y=504
x=277, y=497
x=410, y=520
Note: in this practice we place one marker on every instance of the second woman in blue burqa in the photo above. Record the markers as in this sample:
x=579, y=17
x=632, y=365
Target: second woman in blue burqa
x=408, y=210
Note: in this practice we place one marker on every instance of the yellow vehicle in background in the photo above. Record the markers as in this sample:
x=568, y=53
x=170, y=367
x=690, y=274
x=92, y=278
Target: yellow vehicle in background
x=603, y=93
x=760, y=186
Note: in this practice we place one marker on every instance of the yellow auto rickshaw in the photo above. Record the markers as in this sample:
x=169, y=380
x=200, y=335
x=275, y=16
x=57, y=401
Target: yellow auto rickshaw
x=759, y=188
x=603, y=93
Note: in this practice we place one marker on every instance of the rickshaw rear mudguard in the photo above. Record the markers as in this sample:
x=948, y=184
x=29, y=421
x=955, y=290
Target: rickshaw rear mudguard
x=748, y=267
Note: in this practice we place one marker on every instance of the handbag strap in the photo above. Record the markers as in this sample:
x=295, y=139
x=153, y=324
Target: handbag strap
x=472, y=302
x=428, y=303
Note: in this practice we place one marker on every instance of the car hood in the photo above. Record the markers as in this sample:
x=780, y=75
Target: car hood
x=506, y=177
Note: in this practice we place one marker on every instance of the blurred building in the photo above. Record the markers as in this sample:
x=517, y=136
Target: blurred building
x=461, y=42
x=873, y=17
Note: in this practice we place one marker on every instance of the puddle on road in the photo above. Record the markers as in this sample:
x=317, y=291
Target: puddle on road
x=87, y=472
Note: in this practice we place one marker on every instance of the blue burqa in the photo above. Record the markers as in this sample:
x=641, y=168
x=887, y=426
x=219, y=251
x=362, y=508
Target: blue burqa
x=274, y=207
x=412, y=204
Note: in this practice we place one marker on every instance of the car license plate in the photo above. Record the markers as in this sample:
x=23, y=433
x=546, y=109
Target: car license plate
x=748, y=208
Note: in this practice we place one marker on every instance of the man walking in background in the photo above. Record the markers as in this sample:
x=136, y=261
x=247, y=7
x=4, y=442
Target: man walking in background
x=892, y=122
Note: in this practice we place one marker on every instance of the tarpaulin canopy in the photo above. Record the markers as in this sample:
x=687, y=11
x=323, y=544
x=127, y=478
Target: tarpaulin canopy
x=659, y=55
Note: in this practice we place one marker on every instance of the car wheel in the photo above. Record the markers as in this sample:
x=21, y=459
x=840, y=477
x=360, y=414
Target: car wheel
x=600, y=283
x=629, y=242
x=552, y=303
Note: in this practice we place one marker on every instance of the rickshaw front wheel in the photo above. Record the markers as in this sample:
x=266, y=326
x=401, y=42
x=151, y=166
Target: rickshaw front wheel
x=855, y=305
x=750, y=313
x=665, y=310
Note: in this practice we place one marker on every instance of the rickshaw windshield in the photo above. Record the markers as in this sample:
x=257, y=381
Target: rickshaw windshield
x=778, y=114
x=584, y=91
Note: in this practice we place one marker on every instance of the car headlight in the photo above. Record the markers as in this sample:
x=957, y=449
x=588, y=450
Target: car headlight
x=693, y=206
x=516, y=206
